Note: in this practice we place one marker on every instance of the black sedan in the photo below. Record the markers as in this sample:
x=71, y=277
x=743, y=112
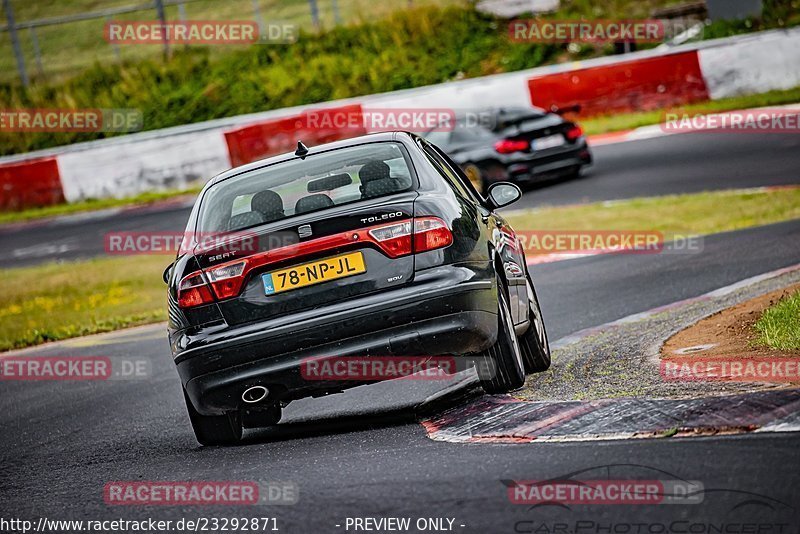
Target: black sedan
x=375, y=248
x=519, y=145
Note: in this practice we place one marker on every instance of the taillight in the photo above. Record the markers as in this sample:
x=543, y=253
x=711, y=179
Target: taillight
x=193, y=291
x=227, y=280
x=574, y=132
x=431, y=233
x=509, y=146
x=394, y=239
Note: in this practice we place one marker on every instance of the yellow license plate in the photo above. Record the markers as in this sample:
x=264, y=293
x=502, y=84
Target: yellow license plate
x=314, y=272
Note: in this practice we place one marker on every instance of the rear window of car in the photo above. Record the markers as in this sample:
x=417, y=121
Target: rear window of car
x=300, y=186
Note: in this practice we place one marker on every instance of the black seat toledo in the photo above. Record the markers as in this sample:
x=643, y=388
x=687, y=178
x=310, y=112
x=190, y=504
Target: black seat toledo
x=373, y=247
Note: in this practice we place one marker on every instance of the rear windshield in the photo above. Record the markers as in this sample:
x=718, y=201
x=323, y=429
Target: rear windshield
x=302, y=186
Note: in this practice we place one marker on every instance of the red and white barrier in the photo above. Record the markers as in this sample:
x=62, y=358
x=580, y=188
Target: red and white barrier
x=182, y=156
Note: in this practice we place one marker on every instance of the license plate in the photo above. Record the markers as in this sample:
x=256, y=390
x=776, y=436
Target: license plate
x=314, y=272
x=551, y=141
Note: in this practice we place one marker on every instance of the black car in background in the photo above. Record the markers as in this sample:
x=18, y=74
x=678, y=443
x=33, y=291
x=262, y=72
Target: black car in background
x=372, y=247
x=518, y=145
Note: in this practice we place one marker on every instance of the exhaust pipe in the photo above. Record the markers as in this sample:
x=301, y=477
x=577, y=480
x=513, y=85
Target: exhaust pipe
x=254, y=394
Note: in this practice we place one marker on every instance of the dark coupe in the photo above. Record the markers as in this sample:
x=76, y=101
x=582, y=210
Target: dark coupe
x=373, y=247
x=514, y=144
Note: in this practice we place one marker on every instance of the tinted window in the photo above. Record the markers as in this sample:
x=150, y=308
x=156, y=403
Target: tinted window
x=301, y=186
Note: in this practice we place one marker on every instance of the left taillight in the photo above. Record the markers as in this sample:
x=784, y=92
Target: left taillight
x=227, y=280
x=194, y=291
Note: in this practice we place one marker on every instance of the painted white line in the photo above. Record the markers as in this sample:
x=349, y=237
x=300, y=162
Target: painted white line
x=722, y=291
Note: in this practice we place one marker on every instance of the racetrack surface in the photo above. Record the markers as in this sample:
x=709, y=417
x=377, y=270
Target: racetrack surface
x=672, y=164
x=362, y=453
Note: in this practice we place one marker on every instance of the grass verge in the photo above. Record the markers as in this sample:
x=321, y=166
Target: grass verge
x=629, y=121
x=779, y=326
x=699, y=213
x=142, y=199
x=62, y=300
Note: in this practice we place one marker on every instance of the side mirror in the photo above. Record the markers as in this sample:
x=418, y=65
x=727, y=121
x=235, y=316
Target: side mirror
x=166, y=274
x=502, y=194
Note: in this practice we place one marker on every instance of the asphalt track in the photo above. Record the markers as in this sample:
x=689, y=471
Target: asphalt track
x=362, y=453
x=666, y=165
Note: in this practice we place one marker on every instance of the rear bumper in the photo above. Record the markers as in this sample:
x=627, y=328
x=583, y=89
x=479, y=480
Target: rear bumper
x=448, y=310
x=543, y=165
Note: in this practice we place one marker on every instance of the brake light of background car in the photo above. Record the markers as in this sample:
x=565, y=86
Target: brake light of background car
x=574, y=133
x=509, y=146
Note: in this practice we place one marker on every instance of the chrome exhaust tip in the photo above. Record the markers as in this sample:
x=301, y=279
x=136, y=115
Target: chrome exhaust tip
x=254, y=394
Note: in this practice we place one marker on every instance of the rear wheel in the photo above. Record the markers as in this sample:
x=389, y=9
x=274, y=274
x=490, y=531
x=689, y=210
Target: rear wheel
x=533, y=343
x=504, y=370
x=214, y=429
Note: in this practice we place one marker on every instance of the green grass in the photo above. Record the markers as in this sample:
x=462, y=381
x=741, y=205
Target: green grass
x=629, y=121
x=702, y=213
x=70, y=48
x=91, y=205
x=779, y=326
x=62, y=300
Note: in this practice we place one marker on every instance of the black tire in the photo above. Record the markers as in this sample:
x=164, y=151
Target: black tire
x=504, y=371
x=214, y=429
x=533, y=343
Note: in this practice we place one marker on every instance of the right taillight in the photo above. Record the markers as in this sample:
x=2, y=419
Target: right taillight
x=574, y=133
x=431, y=233
x=193, y=291
x=427, y=233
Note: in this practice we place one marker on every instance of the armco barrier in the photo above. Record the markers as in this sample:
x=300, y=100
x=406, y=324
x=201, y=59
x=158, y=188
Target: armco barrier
x=190, y=154
x=276, y=136
x=29, y=184
x=640, y=85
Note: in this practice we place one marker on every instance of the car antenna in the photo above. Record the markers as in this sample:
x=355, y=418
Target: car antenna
x=302, y=150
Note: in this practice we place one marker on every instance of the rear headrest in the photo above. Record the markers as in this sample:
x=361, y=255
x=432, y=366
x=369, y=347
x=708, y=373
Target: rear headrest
x=377, y=188
x=269, y=204
x=373, y=170
x=245, y=220
x=312, y=203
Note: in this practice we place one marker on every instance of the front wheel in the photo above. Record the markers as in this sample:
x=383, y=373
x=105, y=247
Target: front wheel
x=504, y=370
x=214, y=429
x=533, y=343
